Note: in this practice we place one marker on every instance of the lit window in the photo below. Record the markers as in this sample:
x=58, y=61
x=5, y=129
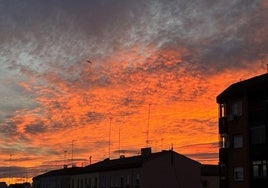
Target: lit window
x=224, y=141
x=239, y=174
x=222, y=110
x=238, y=141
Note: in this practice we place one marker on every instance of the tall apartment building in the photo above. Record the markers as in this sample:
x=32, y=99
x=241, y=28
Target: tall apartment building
x=243, y=131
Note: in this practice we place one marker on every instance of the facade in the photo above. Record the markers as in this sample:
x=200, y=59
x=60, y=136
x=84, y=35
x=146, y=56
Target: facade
x=243, y=131
x=55, y=178
x=158, y=170
x=163, y=169
x=210, y=176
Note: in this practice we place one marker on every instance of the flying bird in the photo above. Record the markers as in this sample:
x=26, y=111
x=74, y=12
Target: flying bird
x=90, y=62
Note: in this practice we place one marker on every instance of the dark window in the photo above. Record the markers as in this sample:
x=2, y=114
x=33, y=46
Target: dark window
x=121, y=182
x=258, y=135
x=89, y=182
x=137, y=181
x=96, y=183
x=237, y=108
x=238, y=141
x=238, y=173
x=259, y=169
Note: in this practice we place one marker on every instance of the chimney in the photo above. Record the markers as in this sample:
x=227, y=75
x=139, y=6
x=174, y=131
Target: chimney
x=146, y=151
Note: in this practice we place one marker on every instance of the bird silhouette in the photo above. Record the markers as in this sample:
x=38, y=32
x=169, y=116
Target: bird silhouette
x=90, y=62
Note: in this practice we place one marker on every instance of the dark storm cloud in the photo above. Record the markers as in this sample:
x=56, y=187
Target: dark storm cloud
x=213, y=32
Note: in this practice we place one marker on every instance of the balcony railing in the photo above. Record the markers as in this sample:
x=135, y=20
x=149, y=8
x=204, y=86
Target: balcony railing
x=223, y=155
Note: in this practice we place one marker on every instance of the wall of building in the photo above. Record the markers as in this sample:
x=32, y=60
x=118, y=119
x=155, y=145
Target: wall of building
x=210, y=182
x=171, y=170
x=127, y=178
x=86, y=180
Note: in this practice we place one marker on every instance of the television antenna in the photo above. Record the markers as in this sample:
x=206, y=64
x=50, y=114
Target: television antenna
x=148, y=125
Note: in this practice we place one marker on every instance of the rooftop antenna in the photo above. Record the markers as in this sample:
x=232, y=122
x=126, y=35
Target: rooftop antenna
x=110, y=137
x=73, y=153
x=119, y=142
x=10, y=158
x=148, y=125
x=65, y=159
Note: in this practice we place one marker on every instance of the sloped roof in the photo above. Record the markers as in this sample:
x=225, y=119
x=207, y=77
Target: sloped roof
x=258, y=84
x=59, y=172
x=107, y=165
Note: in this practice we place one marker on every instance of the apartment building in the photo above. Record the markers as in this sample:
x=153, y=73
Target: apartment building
x=158, y=170
x=243, y=131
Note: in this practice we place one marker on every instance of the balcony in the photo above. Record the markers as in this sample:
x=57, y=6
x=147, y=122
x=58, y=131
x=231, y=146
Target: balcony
x=223, y=156
x=223, y=128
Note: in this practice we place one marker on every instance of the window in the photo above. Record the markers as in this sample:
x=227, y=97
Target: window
x=259, y=169
x=237, y=108
x=89, y=183
x=239, y=174
x=238, y=141
x=122, y=182
x=258, y=135
x=223, y=171
x=224, y=141
x=127, y=186
x=222, y=110
x=96, y=182
x=137, y=181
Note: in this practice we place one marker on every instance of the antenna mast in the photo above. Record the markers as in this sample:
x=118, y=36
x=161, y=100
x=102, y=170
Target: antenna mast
x=73, y=153
x=119, y=142
x=148, y=125
x=110, y=137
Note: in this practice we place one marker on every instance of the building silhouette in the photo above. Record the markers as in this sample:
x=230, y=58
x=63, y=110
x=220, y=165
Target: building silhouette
x=243, y=130
x=157, y=170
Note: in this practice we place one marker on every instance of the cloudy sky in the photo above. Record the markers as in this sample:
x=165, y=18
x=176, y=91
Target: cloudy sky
x=150, y=69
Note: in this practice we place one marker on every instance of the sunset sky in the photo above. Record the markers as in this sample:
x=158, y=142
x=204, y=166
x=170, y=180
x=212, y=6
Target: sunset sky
x=71, y=68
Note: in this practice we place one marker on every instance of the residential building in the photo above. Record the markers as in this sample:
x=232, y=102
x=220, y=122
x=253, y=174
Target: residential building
x=243, y=131
x=55, y=179
x=157, y=170
x=210, y=176
x=3, y=185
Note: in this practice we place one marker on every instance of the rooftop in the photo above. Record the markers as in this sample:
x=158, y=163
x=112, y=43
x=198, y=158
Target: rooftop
x=114, y=164
x=252, y=86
